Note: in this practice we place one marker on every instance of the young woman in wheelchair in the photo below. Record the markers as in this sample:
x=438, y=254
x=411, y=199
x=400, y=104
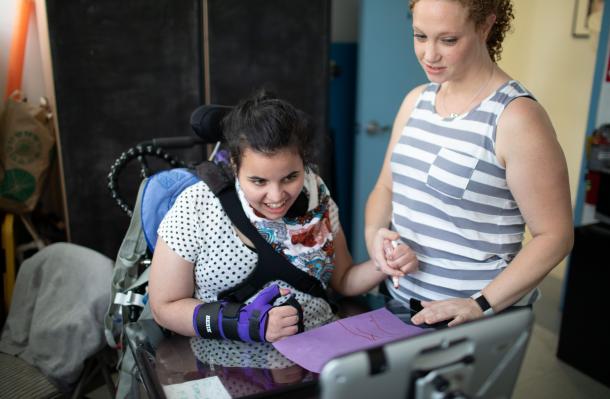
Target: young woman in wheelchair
x=200, y=255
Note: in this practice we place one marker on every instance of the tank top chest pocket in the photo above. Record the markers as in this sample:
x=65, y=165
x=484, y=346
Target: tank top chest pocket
x=450, y=172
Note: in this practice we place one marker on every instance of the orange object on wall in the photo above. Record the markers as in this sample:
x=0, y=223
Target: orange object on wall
x=13, y=82
x=18, y=42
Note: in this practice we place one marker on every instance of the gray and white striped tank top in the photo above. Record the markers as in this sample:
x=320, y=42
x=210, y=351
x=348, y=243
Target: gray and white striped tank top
x=451, y=203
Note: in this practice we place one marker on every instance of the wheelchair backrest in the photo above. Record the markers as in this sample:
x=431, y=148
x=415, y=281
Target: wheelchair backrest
x=159, y=194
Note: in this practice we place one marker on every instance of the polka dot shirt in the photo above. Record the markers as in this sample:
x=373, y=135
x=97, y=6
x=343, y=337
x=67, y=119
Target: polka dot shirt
x=198, y=230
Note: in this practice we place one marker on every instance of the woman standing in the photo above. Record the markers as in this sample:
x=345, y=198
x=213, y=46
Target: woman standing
x=472, y=159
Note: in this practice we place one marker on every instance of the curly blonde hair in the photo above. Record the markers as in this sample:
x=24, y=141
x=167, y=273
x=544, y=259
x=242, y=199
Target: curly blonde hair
x=478, y=12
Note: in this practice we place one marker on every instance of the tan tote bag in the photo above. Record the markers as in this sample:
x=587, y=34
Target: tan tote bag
x=27, y=143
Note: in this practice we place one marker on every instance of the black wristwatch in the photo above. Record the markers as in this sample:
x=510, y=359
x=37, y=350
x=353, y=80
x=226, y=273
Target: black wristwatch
x=480, y=299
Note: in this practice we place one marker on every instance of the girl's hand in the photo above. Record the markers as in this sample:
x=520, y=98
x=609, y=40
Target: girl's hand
x=400, y=256
x=282, y=321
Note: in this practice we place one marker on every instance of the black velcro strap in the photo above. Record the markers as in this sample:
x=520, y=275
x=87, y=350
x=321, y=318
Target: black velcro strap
x=292, y=301
x=230, y=317
x=312, y=286
x=254, y=323
x=240, y=293
x=207, y=320
x=214, y=176
x=377, y=360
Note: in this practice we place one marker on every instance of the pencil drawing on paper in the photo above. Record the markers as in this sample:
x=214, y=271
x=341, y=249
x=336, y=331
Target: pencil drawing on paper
x=370, y=329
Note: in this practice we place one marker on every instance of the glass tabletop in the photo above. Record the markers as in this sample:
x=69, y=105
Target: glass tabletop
x=176, y=366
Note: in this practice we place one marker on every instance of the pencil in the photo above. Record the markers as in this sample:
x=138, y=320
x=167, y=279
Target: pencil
x=395, y=279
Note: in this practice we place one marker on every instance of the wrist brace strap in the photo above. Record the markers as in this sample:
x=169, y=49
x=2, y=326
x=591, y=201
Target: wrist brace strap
x=254, y=323
x=292, y=301
x=205, y=320
x=230, y=317
x=217, y=320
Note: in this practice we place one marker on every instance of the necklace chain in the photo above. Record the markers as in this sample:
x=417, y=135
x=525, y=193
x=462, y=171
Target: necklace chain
x=453, y=115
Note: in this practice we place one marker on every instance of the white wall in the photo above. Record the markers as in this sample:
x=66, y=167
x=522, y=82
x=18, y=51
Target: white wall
x=558, y=69
x=32, y=83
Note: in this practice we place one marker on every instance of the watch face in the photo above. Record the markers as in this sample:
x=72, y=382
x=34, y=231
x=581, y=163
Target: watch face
x=483, y=303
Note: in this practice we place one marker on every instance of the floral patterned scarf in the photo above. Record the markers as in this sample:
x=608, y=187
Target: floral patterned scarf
x=305, y=240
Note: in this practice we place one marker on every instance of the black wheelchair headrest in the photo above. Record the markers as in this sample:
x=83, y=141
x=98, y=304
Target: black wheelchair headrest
x=206, y=122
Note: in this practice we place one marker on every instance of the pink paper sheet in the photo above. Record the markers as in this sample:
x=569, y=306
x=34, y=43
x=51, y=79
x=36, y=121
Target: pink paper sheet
x=314, y=348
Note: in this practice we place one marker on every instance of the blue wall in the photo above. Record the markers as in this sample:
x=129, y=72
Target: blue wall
x=342, y=120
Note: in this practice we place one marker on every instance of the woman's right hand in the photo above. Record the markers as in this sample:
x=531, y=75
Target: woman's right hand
x=282, y=321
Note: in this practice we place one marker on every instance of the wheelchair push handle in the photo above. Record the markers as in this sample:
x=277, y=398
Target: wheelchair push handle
x=174, y=142
x=206, y=122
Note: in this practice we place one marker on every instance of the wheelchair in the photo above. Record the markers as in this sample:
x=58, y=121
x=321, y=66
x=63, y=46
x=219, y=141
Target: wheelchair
x=155, y=159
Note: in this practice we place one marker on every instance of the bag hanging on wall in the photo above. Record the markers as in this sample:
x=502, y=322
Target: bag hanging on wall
x=27, y=142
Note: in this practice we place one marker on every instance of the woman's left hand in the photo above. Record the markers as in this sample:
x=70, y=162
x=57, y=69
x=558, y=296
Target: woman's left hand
x=457, y=310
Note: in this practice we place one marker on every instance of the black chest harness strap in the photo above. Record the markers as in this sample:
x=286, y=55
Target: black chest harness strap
x=271, y=265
